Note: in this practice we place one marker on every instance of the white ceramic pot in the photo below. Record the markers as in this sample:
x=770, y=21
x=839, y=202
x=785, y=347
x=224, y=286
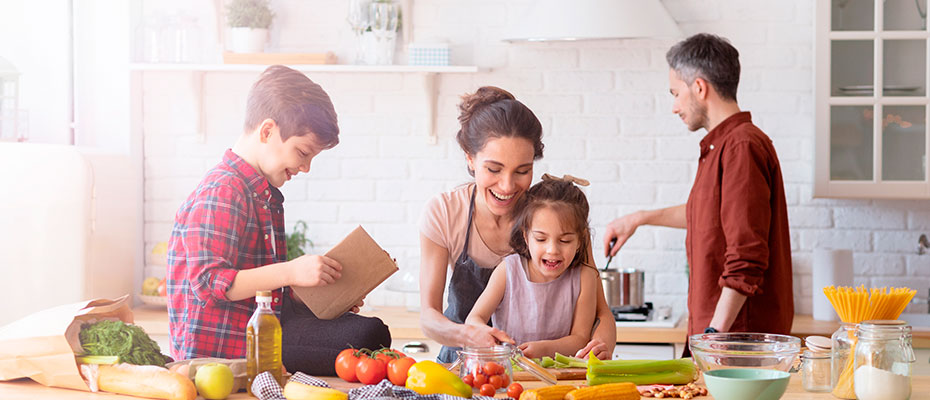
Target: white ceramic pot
x=247, y=40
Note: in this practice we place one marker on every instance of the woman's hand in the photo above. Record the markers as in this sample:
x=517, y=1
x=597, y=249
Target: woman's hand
x=356, y=308
x=534, y=350
x=484, y=336
x=598, y=347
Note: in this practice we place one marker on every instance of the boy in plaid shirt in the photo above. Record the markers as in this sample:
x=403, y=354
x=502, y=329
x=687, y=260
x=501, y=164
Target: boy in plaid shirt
x=228, y=239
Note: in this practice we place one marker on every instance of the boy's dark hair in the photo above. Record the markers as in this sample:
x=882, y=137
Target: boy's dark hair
x=492, y=112
x=709, y=57
x=568, y=201
x=297, y=104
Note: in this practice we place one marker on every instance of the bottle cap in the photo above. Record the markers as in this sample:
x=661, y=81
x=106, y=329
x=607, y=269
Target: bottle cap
x=262, y=293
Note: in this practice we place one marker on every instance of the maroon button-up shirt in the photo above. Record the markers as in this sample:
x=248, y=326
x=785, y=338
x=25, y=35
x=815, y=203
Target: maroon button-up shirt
x=738, y=230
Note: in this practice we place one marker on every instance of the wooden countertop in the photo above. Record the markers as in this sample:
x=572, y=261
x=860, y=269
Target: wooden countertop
x=25, y=389
x=406, y=325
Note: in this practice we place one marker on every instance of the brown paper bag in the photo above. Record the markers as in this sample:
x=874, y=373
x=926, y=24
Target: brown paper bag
x=364, y=266
x=42, y=346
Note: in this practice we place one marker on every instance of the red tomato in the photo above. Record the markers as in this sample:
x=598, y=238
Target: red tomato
x=487, y=390
x=163, y=288
x=399, y=354
x=383, y=356
x=480, y=379
x=397, y=370
x=469, y=380
x=496, y=381
x=370, y=370
x=514, y=390
x=505, y=378
x=345, y=365
x=492, y=368
x=480, y=371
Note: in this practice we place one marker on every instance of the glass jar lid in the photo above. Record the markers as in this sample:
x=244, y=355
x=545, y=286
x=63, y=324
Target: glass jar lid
x=883, y=329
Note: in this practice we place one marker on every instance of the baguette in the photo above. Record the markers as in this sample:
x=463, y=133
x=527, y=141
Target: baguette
x=145, y=381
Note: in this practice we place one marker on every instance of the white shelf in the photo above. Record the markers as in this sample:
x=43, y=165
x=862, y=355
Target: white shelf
x=306, y=68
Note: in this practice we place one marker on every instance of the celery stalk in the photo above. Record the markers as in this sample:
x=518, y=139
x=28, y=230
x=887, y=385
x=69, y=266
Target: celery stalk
x=574, y=362
x=667, y=378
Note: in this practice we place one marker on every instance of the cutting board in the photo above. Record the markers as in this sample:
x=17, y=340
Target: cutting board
x=561, y=374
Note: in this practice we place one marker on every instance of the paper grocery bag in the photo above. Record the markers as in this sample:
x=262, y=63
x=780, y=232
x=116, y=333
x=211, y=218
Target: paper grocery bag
x=364, y=266
x=42, y=346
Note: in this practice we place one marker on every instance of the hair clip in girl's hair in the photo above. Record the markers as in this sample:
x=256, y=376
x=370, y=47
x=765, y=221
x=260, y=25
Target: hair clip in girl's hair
x=566, y=178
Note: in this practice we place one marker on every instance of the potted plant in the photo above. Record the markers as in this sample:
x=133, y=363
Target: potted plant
x=248, y=22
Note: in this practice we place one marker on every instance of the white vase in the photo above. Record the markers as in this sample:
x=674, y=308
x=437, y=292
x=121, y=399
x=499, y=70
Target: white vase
x=247, y=40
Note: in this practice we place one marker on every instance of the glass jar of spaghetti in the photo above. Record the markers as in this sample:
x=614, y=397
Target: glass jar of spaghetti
x=844, y=340
x=884, y=358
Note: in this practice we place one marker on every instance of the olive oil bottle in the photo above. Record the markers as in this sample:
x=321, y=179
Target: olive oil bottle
x=263, y=341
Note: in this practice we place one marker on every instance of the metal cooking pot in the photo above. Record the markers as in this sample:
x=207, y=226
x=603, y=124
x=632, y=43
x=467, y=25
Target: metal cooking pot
x=623, y=287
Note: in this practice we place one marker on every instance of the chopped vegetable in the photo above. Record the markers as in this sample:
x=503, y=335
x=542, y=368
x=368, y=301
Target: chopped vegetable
x=640, y=372
x=105, y=360
x=128, y=342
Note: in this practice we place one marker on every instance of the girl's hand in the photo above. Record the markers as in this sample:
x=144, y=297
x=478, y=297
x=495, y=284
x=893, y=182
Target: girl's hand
x=599, y=349
x=485, y=336
x=533, y=350
x=314, y=270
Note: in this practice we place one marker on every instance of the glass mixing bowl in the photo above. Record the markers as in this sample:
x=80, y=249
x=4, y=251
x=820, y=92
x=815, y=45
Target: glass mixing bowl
x=744, y=350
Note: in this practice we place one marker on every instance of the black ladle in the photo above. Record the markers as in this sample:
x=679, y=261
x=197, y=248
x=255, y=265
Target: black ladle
x=610, y=257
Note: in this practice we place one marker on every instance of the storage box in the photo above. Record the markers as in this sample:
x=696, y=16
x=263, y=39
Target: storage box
x=428, y=54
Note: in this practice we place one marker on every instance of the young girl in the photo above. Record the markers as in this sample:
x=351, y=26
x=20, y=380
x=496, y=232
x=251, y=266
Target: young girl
x=543, y=296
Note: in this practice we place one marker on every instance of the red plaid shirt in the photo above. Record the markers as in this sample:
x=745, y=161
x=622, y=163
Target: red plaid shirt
x=226, y=225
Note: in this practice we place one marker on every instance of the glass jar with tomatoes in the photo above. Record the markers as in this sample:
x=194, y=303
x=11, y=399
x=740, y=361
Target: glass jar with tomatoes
x=483, y=366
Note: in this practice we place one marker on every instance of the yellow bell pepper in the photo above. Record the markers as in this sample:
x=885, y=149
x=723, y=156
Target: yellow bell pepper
x=428, y=377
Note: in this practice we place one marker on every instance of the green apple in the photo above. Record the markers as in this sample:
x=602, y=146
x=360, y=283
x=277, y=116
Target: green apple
x=214, y=381
x=150, y=286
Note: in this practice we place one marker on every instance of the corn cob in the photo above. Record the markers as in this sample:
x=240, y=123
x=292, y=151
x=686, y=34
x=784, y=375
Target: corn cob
x=556, y=392
x=612, y=391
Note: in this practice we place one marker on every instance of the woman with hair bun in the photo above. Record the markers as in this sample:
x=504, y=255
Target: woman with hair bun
x=467, y=230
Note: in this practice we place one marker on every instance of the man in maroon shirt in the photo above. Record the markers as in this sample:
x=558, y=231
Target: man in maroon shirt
x=736, y=218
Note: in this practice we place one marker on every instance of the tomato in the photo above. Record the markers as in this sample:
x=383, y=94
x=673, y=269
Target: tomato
x=163, y=288
x=370, y=370
x=505, y=378
x=345, y=365
x=480, y=379
x=469, y=380
x=397, y=370
x=487, y=390
x=496, y=381
x=514, y=390
x=399, y=353
x=492, y=368
x=384, y=357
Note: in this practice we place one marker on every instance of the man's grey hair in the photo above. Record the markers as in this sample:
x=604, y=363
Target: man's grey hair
x=709, y=57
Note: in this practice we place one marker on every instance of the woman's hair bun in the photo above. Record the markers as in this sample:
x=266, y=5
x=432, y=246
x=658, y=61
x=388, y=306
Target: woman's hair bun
x=483, y=96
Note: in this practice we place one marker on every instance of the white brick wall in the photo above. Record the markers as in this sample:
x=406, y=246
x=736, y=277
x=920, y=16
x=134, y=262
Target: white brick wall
x=606, y=116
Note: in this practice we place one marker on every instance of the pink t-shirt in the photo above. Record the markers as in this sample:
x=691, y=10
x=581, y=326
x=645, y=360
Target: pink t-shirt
x=444, y=221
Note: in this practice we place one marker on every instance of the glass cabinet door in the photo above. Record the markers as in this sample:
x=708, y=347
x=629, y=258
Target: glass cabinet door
x=853, y=15
x=905, y=15
x=904, y=67
x=852, y=67
x=851, y=143
x=904, y=155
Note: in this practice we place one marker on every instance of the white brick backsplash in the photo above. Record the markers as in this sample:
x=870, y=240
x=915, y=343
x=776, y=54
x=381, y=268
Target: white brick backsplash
x=654, y=172
x=615, y=58
x=621, y=149
x=896, y=241
x=918, y=265
x=606, y=116
x=860, y=241
x=627, y=194
x=810, y=217
x=583, y=126
x=365, y=212
x=563, y=148
x=878, y=264
x=614, y=104
x=575, y=82
x=869, y=217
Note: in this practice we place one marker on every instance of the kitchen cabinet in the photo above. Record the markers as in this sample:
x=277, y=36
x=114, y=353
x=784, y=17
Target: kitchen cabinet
x=871, y=143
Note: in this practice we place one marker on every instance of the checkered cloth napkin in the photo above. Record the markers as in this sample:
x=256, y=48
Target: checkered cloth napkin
x=266, y=388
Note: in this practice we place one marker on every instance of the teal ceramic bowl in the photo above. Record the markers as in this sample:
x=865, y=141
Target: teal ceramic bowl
x=746, y=383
